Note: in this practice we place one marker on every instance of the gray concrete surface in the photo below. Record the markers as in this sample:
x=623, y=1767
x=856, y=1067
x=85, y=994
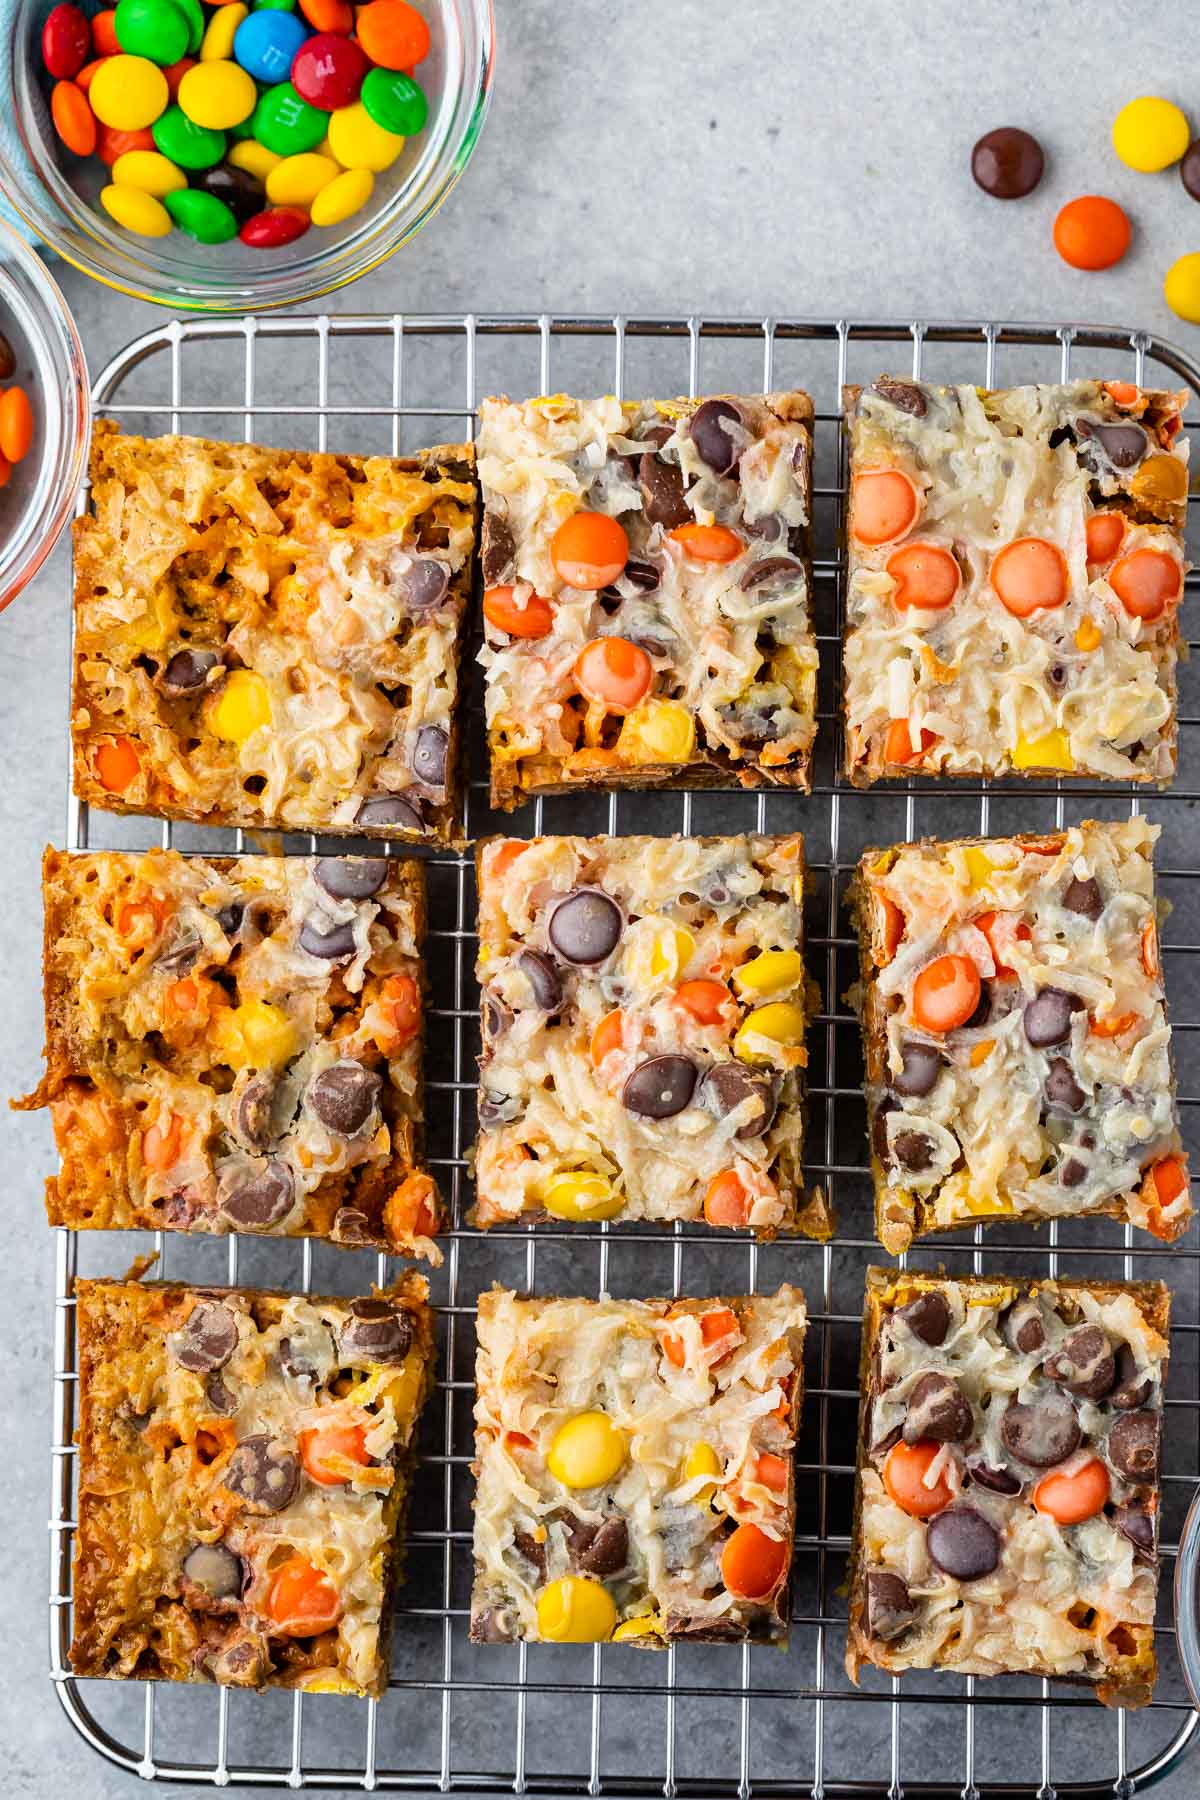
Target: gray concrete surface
x=757, y=158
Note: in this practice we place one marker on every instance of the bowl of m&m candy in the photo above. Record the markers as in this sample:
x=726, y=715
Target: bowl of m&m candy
x=234, y=156
x=45, y=414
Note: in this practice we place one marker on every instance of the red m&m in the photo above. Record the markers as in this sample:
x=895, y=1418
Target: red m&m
x=278, y=225
x=328, y=71
x=66, y=42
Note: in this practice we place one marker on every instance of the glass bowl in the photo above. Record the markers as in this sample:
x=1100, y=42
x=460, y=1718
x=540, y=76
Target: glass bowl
x=58, y=193
x=40, y=495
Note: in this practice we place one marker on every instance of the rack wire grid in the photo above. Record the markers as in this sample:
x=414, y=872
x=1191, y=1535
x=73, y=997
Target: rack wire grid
x=694, y=1720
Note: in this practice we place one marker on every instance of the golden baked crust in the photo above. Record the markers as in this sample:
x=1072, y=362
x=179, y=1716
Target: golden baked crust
x=993, y=1125
x=1027, y=1617
x=265, y=1432
x=732, y=674
x=207, y=1071
x=261, y=635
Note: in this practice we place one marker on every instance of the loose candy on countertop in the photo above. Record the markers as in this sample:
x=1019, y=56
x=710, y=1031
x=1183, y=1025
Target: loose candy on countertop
x=1150, y=134
x=217, y=95
x=1181, y=289
x=359, y=143
x=393, y=33
x=1091, y=232
x=66, y=42
x=395, y=102
x=184, y=142
x=156, y=29
x=1007, y=163
x=266, y=44
x=202, y=215
x=278, y=225
x=128, y=92
x=343, y=197
x=138, y=212
x=73, y=118
x=287, y=124
x=328, y=71
x=1189, y=169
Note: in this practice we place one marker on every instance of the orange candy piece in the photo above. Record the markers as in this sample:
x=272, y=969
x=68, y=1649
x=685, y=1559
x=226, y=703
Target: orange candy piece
x=945, y=993
x=611, y=671
x=16, y=424
x=987, y=924
x=501, y=857
x=904, y=1475
x=715, y=1325
x=772, y=1472
x=1169, y=1179
x=1091, y=232
x=607, y=1036
x=533, y=620
x=893, y=928
x=926, y=576
x=884, y=504
x=392, y=33
x=302, y=1600
x=753, y=1564
x=589, y=549
x=1146, y=581
x=116, y=764
x=727, y=1200
x=1070, y=1499
x=708, y=1002
x=74, y=120
x=1123, y=393
x=330, y=15
x=161, y=1148
x=320, y=1442
x=110, y=143
x=1029, y=575
x=104, y=33
x=401, y=1004
x=1105, y=535
x=176, y=72
x=707, y=543
x=5, y=471
x=898, y=746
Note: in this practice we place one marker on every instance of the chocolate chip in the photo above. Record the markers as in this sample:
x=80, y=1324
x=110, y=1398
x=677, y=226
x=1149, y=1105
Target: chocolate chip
x=1073, y=1172
x=493, y=1108
x=920, y=1069
x=323, y=938
x=983, y=1008
x=251, y=1115
x=879, y=1131
x=996, y=1481
x=1007, y=163
x=714, y=443
x=380, y=811
x=495, y=1017
x=938, y=1409
x=890, y=1611
x=1083, y=1363
x=180, y=956
x=352, y=1226
x=927, y=1317
x=220, y=1399
x=1124, y=444
x=490, y=1625
x=725, y=1086
x=343, y=1097
x=187, y=671
x=1133, y=1445
x=263, y=1474
x=530, y=1551
x=1048, y=1016
x=642, y=575
x=913, y=1151
x=660, y=1087
x=962, y=1543
x=1189, y=174
x=1041, y=1433
x=1022, y=1329
x=1137, y=1523
x=245, y=1662
x=661, y=484
x=431, y=750
x=773, y=572
x=1134, y=1386
x=376, y=1332
x=215, y=1570
x=1084, y=898
x=260, y=1201
x=585, y=927
x=207, y=1339
x=905, y=395
x=423, y=585
x=351, y=877
x=497, y=550
x=544, y=980
x=608, y=1551
x=229, y=918
x=1062, y=1089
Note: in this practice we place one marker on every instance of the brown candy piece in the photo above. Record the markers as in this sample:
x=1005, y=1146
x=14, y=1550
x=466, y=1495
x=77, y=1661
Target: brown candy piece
x=1007, y=163
x=889, y=1609
x=938, y=1409
x=1044, y=1434
x=927, y=1317
x=1083, y=1363
x=1133, y=1445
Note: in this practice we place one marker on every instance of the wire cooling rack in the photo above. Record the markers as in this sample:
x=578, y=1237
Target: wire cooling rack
x=696, y=1720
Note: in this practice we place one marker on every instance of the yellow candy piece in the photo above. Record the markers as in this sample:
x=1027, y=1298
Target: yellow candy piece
x=1159, y=478
x=980, y=866
x=136, y=210
x=243, y=704
x=253, y=157
x=1181, y=289
x=157, y=626
x=657, y=731
x=255, y=1035
x=1050, y=752
x=576, y=1610
x=217, y=43
x=658, y=959
x=770, y=972
x=342, y=197
x=1150, y=134
x=358, y=142
x=587, y=1451
x=147, y=170
x=582, y=1196
x=128, y=93
x=218, y=95
x=1088, y=635
x=297, y=180
x=779, y=1023
x=702, y=1459
x=648, y=1625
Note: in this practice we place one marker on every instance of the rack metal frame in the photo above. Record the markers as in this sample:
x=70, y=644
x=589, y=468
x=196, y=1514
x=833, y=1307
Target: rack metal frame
x=678, y=1681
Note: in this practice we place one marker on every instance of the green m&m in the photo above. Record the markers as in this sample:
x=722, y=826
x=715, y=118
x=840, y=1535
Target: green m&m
x=274, y=5
x=201, y=215
x=193, y=12
x=287, y=124
x=185, y=143
x=159, y=30
x=394, y=101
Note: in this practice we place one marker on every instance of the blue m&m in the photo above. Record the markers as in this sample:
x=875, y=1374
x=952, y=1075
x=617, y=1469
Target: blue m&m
x=266, y=44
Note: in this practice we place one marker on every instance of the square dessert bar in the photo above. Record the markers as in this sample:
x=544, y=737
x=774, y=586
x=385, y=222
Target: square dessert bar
x=234, y=1044
x=633, y=1461
x=1016, y=564
x=244, y=1462
x=644, y=1012
x=1008, y=1469
x=647, y=582
x=272, y=637
x=1018, y=1056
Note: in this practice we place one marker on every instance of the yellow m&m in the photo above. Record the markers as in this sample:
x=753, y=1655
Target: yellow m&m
x=217, y=95
x=358, y=142
x=342, y=197
x=136, y=210
x=297, y=180
x=147, y=170
x=128, y=92
x=217, y=42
